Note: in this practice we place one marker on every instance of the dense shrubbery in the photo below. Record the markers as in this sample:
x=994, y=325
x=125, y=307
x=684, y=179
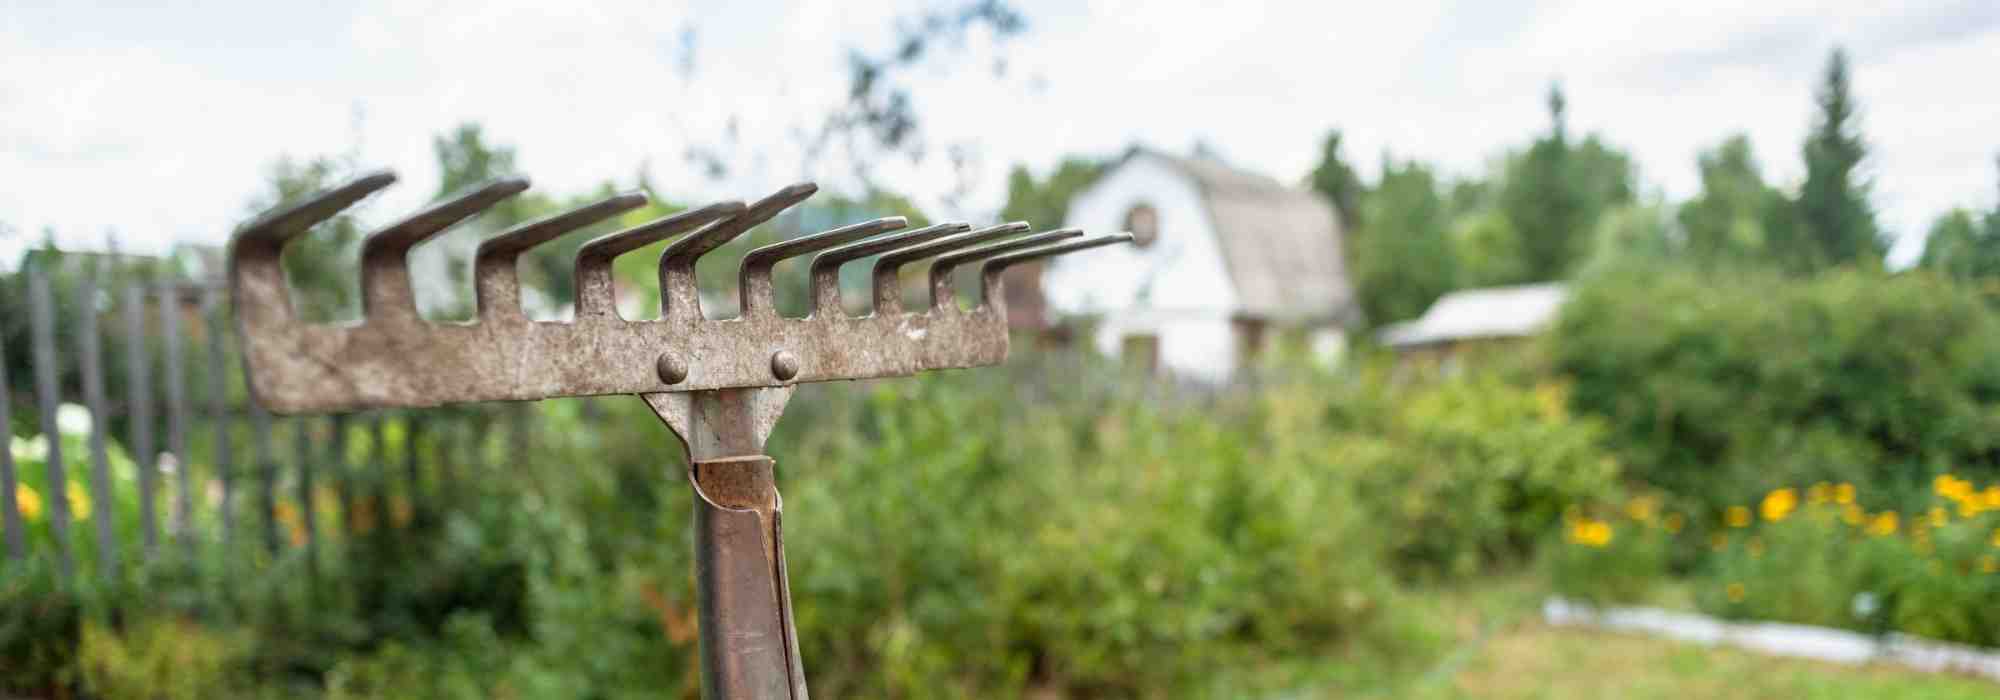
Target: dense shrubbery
x=973, y=533
x=1721, y=386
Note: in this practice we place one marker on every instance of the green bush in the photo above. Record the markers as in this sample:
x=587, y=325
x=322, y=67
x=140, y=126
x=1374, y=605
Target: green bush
x=1719, y=386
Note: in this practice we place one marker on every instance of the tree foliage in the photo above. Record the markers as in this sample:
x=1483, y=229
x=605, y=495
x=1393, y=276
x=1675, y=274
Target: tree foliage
x=1045, y=203
x=1833, y=205
x=1403, y=258
x=1965, y=245
x=1735, y=216
x=1334, y=179
x=1554, y=193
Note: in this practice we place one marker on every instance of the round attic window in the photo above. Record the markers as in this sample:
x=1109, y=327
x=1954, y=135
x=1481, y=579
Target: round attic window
x=1144, y=223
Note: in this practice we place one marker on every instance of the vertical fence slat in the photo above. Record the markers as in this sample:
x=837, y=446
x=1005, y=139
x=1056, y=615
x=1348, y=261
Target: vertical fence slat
x=413, y=431
x=139, y=389
x=302, y=443
x=177, y=414
x=343, y=482
x=267, y=474
x=91, y=364
x=55, y=501
x=378, y=457
x=10, y=510
x=217, y=320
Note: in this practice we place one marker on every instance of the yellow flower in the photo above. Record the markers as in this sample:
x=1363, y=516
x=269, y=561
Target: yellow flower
x=1674, y=522
x=1938, y=517
x=1778, y=504
x=1641, y=509
x=1951, y=487
x=1738, y=516
x=1819, y=493
x=1590, y=533
x=1843, y=493
x=1996, y=537
x=1884, y=523
x=30, y=503
x=79, y=502
x=1852, y=514
x=1992, y=497
x=1989, y=564
x=1734, y=591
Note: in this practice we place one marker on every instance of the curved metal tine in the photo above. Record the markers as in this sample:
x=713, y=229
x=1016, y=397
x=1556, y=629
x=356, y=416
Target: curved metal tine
x=888, y=280
x=825, y=274
x=679, y=298
x=254, y=250
x=989, y=274
x=594, y=298
x=754, y=285
x=497, y=277
x=942, y=293
x=385, y=270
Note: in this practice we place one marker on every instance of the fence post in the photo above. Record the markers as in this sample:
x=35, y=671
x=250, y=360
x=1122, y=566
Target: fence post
x=302, y=442
x=138, y=370
x=10, y=510
x=55, y=502
x=215, y=320
x=91, y=364
x=267, y=472
x=177, y=414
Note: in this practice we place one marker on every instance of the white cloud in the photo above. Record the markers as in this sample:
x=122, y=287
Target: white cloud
x=161, y=128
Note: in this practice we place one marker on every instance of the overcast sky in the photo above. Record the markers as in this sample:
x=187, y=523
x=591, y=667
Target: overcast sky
x=158, y=124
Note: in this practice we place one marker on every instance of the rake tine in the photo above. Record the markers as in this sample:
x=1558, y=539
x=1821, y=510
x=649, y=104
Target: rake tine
x=889, y=267
x=254, y=252
x=825, y=274
x=754, y=287
x=594, y=296
x=385, y=270
x=495, y=269
x=679, y=299
x=942, y=294
x=989, y=274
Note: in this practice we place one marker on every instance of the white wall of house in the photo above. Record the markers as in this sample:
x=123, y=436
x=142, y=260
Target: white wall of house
x=1177, y=289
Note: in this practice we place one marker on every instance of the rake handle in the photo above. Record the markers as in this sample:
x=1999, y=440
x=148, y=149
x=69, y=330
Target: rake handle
x=749, y=647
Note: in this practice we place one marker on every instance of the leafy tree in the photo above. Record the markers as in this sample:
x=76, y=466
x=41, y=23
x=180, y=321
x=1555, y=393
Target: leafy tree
x=1554, y=193
x=1632, y=234
x=1403, y=261
x=1046, y=203
x=1833, y=206
x=1964, y=245
x=1337, y=181
x=1736, y=216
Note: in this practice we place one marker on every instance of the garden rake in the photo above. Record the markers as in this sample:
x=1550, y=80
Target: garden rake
x=720, y=385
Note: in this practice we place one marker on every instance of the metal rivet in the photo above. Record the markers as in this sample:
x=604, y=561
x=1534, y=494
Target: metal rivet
x=672, y=370
x=784, y=365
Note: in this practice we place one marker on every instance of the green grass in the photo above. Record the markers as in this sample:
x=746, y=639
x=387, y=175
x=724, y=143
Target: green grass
x=1533, y=660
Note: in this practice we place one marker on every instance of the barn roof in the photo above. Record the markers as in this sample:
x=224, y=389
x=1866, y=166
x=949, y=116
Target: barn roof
x=1492, y=312
x=1282, y=244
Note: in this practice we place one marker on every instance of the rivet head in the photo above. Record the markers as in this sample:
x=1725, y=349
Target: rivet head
x=784, y=365
x=672, y=370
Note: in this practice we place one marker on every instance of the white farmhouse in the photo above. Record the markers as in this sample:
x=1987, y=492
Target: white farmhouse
x=1226, y=263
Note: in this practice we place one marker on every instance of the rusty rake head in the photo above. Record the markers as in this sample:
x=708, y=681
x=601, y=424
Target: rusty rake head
x=395, y=358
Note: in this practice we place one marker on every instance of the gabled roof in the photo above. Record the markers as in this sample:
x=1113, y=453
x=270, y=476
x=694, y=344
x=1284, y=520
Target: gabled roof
x=1282, y=244
x=1492, y=312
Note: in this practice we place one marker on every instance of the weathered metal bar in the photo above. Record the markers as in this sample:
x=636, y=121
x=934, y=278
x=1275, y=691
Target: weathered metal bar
x=216, y=316
x=90, y=364
x=10, y=509
x=178, y=411
x=43, y=336
x=267, y=475
x=888, y=279
x=139, y=394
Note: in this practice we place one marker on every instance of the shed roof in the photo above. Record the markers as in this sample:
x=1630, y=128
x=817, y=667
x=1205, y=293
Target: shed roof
x=1492, y=312
x=1282, y=244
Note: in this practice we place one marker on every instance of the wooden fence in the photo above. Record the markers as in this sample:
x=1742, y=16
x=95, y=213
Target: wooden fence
x=170, y=427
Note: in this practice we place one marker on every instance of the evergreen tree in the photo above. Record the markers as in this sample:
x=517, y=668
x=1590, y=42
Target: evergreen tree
x=1839, y=223
x=1338, y=182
